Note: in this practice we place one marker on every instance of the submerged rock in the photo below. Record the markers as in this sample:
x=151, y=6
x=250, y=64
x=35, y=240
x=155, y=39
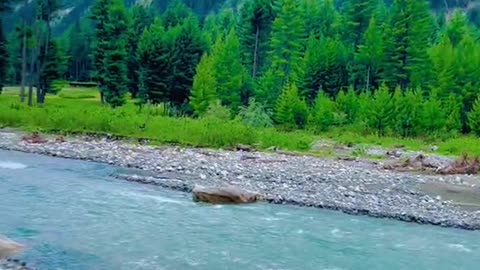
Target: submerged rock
x=223, y=195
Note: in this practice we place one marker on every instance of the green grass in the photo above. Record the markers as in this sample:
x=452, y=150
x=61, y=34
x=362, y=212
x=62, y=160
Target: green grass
x=88, y=116
x=78, y=110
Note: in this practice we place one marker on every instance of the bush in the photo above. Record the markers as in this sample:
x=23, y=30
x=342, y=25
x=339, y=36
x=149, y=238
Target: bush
x=291, y=111
x=474, y=117
x=217, y=111
x=254, y=115
x=323, y=113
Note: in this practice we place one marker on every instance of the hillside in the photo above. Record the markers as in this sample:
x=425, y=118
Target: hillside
x=72, y=10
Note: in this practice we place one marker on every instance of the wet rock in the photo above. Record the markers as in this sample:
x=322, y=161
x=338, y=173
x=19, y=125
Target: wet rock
x=223, y=195
x=9, y=247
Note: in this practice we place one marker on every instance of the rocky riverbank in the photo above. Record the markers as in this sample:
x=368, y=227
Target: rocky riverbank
x=354, y=187
x=13, y=264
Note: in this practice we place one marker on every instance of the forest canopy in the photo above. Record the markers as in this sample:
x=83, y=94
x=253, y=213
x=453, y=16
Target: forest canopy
x=405, y=67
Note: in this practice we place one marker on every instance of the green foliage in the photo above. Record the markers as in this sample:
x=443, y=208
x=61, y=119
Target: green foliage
x=357, y=14
x=326, y=61
x=290, y=110
x=349, y=104
x=407, y=112
x=369, y=60
x=255, y=23
x=254, y=115
x=90, y=116
x=204, y=86
x=433, y=116
x=217, y=111
x=286, y=45
x=406, y=38
x=54, y=68
x=141, y=18
x=323, y=113
x=474, y=117
x=380, y=111
x=115, y=82
x=229, y=72
x=3, y=57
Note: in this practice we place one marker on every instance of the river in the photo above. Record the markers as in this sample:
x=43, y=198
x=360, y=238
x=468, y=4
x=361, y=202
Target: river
x=73, y=215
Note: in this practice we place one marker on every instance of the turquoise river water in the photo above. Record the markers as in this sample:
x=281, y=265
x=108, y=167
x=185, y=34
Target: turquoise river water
x=73, y=216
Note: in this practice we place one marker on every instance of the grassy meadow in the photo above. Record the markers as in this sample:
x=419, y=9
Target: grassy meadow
x=78, y=110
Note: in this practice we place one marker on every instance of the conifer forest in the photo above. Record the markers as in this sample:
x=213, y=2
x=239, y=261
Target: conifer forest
x=403, y=68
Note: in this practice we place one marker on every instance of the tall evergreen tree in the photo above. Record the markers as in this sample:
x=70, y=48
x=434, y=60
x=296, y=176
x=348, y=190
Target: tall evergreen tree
x=141, y=18
x=176, y=13
x=255, y=23
x=115, y=82
x=325, y=67
x=3, y=58
x=155, y=59
x=457, y=27
x=99, y=15
x=287, y=44
x=369, y=61
x=357, y=14
x=229, y=72
x=46, y=48
x=407, y=36
x=204, y=85
x=190, y=44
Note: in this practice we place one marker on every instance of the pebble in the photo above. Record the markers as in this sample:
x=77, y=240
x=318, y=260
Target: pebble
x=351, y=187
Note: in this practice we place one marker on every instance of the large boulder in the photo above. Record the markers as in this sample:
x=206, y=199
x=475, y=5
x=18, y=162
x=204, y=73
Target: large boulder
x=223, y=195
x=9, y=247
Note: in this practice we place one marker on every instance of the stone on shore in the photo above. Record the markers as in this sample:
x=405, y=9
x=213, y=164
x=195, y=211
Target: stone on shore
x=9, y=248
x=223, y=195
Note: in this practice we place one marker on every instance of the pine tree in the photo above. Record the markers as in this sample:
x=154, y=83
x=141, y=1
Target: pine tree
x=255, y=23
x=323, y=113
x=474, y=117
x=141, y=18
x=229, y=72
x=176, y=13
x=457, y=27
x=99, y=15
x=55, y=67
x=381, y=109
x=287, y=44
x=204, y=86
x=291, y=111
x=3, y=58
x=357, y=14
x=325, y=67
x=444, y=68
x=406, y=37
x=369, y=60
x=468, y=62
x=189, y=46
x=155, y=58
x=320, y=18
x=115, y=60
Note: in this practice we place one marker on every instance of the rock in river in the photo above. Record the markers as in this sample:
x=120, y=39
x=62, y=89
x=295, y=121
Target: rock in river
x=223, y=195
x=9, y=247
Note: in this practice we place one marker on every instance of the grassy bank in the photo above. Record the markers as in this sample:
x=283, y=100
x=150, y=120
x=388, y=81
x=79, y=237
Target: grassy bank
x=68, y=115
x=78, y=110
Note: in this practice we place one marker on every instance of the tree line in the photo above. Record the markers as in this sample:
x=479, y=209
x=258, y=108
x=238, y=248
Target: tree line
x=390, y=67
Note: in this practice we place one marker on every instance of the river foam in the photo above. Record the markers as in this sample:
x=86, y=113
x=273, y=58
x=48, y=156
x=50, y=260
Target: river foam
x=12, y=165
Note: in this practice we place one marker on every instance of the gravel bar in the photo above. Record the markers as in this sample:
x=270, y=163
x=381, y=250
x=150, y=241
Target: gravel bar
x=352, y=187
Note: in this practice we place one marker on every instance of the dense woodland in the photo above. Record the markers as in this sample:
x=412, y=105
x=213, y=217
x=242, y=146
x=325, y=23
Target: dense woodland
x=403, y=67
